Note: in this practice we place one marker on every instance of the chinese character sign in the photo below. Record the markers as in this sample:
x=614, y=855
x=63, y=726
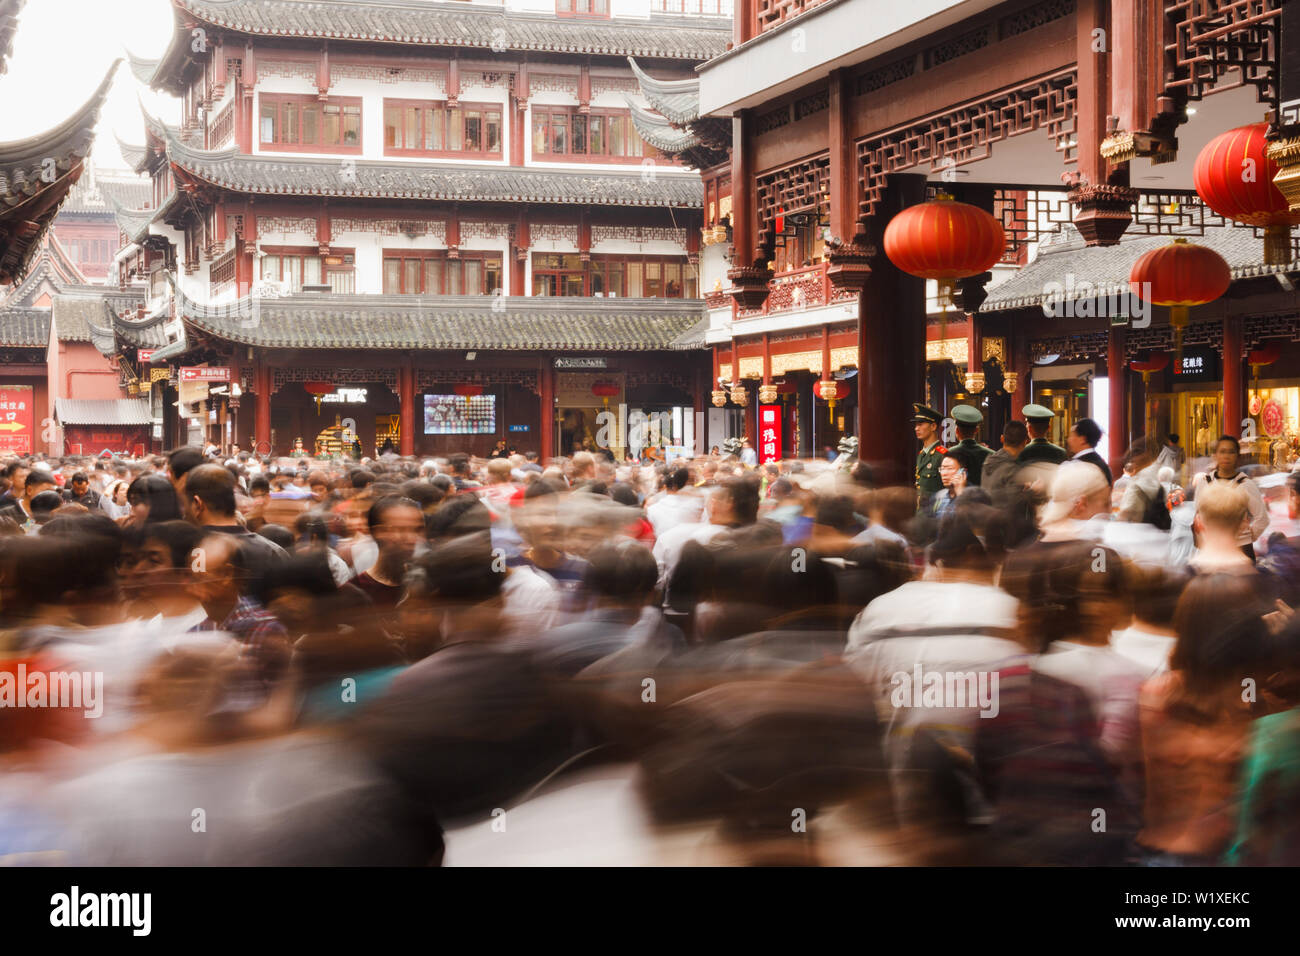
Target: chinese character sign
x=17, y=419
x=769, y=433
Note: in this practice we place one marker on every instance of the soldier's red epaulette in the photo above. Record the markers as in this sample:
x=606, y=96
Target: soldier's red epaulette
x=941, y=450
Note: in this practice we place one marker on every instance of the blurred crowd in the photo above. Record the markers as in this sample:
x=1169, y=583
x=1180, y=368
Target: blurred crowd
x=356, y=663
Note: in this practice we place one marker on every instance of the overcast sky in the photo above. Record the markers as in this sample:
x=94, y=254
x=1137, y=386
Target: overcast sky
x=61, y=52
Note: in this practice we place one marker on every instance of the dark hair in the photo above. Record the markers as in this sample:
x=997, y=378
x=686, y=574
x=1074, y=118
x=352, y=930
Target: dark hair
x=79, y=476
x=180, y=537
x=961, y=456
x=1236, y=445
x=39, y=476
x=742, y=492
x=836, y=512
x=214, y=486
x=1014, y=432
x=180, y=461
x=1088, y=430
x=97, y=545
x=677, y=479
x=361, y=478
x=459, y=463
x=45, y=503
x=623, y=570
x=384, y=505
x=422, y=493
x=463, y=515
x=538, y=489
x=157, y=492
x=460, y=569
x=260, y=483
x=625, y=494
x=278, y=534
x=308, y=572
x=1174, y=438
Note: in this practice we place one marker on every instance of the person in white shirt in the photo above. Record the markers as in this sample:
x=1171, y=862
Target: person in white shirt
x=958, y=623
x=677, y=505
x=733, y=503
x=1227, y=452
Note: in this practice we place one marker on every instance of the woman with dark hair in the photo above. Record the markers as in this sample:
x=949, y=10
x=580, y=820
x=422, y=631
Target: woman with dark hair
x=1197, y=720
x=152, y=498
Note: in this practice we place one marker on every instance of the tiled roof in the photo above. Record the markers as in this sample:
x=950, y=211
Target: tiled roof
x=1066, y=268
x=136, y=222
x=677, y=100
x=420, y=22
x=136, y=157
x=275, y=175
x=142, y=69
x=24, y=328
x=25, y=177
x=448, y=322
x=74, y=314
x=658, y=132
x=102, y=411
x=90, y=197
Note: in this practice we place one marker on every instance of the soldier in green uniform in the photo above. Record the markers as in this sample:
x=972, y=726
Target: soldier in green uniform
x=1038, y=419
x=927, y=420
x=969, y=418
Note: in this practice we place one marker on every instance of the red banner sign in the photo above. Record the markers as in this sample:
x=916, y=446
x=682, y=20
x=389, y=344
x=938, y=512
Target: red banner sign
x=204, y=373
x=17, y=418
x=145, y=355
x=769, y=433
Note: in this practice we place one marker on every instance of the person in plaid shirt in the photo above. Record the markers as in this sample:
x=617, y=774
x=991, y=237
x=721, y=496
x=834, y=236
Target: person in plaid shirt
x=220, y=574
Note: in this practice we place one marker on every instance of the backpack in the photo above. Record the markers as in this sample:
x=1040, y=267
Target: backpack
x=1157, y=511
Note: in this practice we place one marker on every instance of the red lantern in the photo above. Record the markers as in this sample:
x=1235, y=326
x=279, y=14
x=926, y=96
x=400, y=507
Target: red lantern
x=467, y=390
x=604, y=391
x=1258, y=357
x=945, y=240
x=831, y=391
x=1264, y=354
x=1180, y=275
x=1150, y=365
x=318, y=390
x=1235, y=178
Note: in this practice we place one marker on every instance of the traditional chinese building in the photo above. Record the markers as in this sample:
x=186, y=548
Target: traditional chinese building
x=1044, y=113
x=438, y=223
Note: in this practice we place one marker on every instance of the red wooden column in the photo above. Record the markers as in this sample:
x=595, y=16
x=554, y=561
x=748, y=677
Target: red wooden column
x=1117, y=386
x=406, y=385
x=1232, y=378
x=742, y=196
x=974, y=345
x=262, y=393
x=247, y=80
x=546, y=403
x=843, y=199
x=891, y=347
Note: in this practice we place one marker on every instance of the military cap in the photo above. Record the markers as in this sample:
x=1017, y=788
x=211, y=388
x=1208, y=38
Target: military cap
x=967, y=414
x=1037, y=413
x=924, y=413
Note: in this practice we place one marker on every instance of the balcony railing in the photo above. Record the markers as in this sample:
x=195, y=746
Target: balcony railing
x=703, y=8
x=771, y=14
x=806, y=288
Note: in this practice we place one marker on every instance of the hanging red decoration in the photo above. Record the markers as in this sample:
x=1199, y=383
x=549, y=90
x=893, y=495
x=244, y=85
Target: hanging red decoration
x=1264, y=354
x=1234, y=177
x=467, y=390
x=318, y=388
x=1150, y=365
x=605, y=391
x=1180, y=275
x=945, y=240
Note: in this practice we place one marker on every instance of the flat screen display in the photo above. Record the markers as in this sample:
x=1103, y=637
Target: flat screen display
x=460, y=414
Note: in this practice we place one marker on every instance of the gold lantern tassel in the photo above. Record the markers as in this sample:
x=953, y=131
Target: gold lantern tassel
x=1178, y=320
